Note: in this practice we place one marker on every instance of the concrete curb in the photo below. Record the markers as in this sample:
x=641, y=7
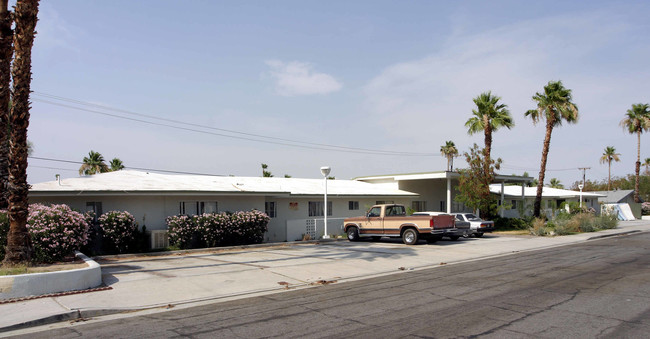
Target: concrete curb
x=612, y=235
x=23, y=285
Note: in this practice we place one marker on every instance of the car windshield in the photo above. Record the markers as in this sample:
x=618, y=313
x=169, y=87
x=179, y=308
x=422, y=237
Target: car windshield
x=471, y=216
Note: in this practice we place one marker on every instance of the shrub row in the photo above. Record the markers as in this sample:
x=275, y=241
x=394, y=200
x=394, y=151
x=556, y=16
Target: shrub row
x=568, y=224
x=217, y=229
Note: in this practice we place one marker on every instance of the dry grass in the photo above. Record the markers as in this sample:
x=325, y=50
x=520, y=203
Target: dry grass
x=42, y=268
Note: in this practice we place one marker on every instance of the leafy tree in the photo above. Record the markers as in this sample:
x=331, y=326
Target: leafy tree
x=637, y=120
x=646, y=163
x=19, y=248
x=555, y=183
x=6, y=52
x=449, y=151
x=609, y=155
x=265, y=173
x=489, y=116
x=116, y=165
x=93, y=164
x=287, y=176
x=474, y=182
x=555, y=106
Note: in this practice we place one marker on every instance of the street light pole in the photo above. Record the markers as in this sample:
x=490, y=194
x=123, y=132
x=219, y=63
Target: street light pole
x=325, y=171
x=581, y=187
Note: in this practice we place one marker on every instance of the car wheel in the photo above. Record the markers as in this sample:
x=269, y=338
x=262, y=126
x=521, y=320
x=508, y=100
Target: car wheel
x=353, y=234
x=410, y=236
x=454, y=237
x=478, y=235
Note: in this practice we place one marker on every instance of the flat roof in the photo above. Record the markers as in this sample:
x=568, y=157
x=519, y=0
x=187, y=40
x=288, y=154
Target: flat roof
x=441, y=175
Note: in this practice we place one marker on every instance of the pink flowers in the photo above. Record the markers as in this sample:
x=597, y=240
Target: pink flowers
x=119, y=229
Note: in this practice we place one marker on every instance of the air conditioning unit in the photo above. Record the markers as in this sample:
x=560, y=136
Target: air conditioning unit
x=159, y=239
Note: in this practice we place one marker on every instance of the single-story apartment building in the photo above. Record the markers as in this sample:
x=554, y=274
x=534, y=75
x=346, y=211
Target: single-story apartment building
x=294, y=205
x=517, y=200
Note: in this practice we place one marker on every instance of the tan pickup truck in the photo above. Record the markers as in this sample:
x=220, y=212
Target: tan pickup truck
x=390, y=220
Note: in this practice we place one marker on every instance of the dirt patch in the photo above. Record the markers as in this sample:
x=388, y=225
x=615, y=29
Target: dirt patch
x=42, y=268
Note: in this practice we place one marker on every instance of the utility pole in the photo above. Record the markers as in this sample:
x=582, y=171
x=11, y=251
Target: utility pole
x=584, y=170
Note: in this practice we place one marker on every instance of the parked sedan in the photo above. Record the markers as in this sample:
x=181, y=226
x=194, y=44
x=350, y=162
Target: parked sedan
x=461, y=228
x=478, y=226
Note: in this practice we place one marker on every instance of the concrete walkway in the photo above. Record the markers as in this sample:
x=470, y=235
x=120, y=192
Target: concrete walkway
x=157, y=283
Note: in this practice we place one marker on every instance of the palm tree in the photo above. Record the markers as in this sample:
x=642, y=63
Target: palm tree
x=554, y=105
x=265, y=173
x=608, y=156
x=555, y=183
x=6, y=52
x=637, y=120
x=116, y=165
x=449, y=151
x=19, y=248
x=93, y=164
x=489, y=116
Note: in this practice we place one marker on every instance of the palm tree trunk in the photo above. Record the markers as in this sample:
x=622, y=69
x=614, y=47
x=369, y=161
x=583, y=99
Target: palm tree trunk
x=6, y=52
x=19, y=247
x=542, y=170
x=637, y=199
x=609, y=175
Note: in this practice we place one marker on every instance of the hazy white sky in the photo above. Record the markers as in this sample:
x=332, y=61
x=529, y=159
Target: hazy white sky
x=389, y=76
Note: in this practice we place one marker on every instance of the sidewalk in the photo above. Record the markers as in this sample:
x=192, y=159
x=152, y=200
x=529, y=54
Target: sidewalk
x=156, y=283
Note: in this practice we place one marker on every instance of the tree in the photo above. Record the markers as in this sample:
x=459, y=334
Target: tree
x=449, y=151
x=646, y=163
x=19, y=248
x=555, y=106
x=555, y=183
x=609, y=155
x=287, y=176
x=6, y=52
x=637, y=120
x=265, y=173
x=93, y=164
x=116, y=165
x=489, y=116
x=474, y=182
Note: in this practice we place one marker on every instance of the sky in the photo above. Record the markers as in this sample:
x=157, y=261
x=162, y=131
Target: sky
x=365, y=87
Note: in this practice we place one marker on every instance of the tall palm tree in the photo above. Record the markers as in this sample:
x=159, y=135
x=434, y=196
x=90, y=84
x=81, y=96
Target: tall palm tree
x=19, y=248
x=555, y=183
x=489, y=116
x=93, y=164
x=116, y=165
x=555, y=106
x=608, y=156
x=6, y=52
x=637, y=120
x=449, y=151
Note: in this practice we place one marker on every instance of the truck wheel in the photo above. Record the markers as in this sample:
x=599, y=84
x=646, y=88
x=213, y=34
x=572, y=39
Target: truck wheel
x=454, y=237
x=353, y=234
x=478, y=235
x=410, y=236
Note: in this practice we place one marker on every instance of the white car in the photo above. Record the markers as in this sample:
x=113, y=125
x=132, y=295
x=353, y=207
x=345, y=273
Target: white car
x=477, y=226
x=461, y=228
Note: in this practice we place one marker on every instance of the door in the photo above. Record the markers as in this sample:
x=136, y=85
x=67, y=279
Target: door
x=374, y=223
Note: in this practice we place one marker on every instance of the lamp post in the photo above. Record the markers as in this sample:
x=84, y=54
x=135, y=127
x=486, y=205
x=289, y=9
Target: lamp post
x=580, y=186
x=325, y=171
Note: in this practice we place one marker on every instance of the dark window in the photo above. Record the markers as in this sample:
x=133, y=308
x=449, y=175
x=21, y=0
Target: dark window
x=316, y=208
x=96, y=208
x=353, y=205
x=270, y=209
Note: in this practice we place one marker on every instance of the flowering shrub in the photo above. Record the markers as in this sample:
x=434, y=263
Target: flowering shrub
x=119, y=230
x=56, y=231
x=645, y=208
x=181, y=230
x=217, y=229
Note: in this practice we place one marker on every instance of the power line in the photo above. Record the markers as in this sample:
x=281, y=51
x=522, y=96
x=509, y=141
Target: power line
x=127, y=167
x=240, y=135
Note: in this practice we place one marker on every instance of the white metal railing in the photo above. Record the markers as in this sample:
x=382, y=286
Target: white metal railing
x=297, y=229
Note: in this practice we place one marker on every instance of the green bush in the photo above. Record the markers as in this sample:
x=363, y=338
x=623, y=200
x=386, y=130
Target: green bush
x=217, y=229
x=566, y=223
x=512, y=223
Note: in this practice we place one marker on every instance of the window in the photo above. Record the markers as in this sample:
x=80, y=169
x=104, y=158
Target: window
x=197, y=207
x=353, y=205
x=514, y=205
x=270, y=209
x=395, y=210
x=380, y=202
x=316, y=208
x=419, y=206
x=95, y=207
x=374, y=212
x=443, y=206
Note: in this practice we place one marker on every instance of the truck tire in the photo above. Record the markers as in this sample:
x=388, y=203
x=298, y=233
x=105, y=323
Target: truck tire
x=410, y=236
x=353, y=234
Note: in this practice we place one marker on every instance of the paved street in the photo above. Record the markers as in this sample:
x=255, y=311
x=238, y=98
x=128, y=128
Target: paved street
x=593, y=289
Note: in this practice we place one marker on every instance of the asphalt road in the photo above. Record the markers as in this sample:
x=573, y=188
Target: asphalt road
x=595, y=289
